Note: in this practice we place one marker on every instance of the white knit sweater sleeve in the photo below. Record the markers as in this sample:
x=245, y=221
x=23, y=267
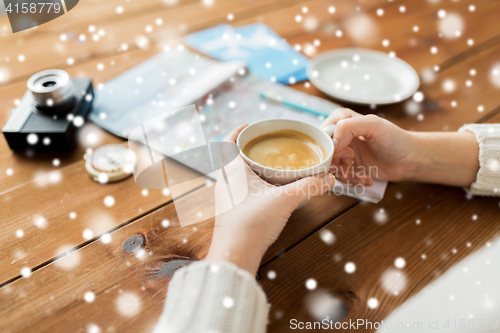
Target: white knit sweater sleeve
x=213, y=297
x=488, y=177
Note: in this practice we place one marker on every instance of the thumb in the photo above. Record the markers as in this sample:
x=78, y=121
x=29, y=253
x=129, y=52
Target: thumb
x=348, y=129
x=309, y=187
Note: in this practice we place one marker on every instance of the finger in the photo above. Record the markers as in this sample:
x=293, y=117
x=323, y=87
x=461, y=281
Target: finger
x=350, y=128
x=231, y=137
x=306, y=188
x=347, y=153
x=338, y=114
x=369, y=181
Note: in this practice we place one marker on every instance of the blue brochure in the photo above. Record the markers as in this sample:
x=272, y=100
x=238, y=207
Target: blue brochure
x=265, y=52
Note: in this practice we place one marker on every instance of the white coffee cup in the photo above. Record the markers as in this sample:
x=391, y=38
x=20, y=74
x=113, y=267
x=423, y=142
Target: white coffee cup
x=323, y=138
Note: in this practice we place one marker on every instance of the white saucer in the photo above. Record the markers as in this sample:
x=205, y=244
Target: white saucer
x=363, y=76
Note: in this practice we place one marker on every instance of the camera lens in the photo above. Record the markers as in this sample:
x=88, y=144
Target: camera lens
x=52, y=91
x=49, y=84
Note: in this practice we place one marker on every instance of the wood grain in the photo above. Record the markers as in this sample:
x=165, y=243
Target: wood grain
x=373, y=248
x=432, y=227
x=66, y=266
x=58, y=307
x=174, y=26
x=178, y=21
x=40, y=210
x=25, y=169
x=436, y=111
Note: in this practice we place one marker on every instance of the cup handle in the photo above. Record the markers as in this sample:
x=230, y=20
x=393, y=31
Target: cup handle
x=330, y=129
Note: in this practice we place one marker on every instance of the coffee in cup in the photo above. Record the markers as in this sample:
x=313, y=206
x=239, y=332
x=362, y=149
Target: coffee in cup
x=285, y=150
x=260, y=139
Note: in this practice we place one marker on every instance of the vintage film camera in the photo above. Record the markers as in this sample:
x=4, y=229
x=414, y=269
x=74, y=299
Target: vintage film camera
x=50, y=112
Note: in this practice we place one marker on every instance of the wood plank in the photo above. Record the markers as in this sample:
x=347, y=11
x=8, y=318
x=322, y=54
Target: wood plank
x=431, y=227
x=88, y=13
x=397, y=28
x=59, y=305
x=117, y=63
x=127, y=31
x=18, y=168
x=276, y=11
x=127, y=60
x=25, y=170
x=436, y=112
x=71, y=296
x=36, y=218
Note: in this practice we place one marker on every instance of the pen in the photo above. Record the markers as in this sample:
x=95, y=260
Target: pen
x=293, y=105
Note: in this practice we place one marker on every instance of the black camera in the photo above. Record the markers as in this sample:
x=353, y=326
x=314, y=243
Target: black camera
x=50, y=112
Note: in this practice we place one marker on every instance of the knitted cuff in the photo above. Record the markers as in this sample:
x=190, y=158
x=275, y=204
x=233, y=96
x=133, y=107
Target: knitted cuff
x=211, y=296
x=488, y=177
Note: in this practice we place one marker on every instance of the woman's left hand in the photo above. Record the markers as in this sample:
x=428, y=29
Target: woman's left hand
x=244, y=230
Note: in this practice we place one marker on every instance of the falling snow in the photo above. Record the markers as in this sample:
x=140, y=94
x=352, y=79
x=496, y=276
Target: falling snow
x=109, y=201
x=89, y=297
x=26, y=272
x=327, y=236
x=227, y=302
x=380, y=216
x=128, y=304
x=350, y=267
x=372, y=303
x=271, y=275
x=311, y=284
x=400, y=262
x=394, y=281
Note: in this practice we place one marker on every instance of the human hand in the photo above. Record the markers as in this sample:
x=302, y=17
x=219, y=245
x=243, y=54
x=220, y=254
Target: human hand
x=368, y=147
x=244, y=231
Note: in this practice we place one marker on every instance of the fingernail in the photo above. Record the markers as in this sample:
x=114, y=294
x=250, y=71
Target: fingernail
x=329, y=180
x=335, y=143
x=348, y=156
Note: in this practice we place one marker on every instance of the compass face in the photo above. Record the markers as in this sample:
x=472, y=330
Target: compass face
x=111, y=158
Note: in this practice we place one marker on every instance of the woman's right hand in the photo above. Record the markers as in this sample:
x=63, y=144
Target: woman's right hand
x=368, y=147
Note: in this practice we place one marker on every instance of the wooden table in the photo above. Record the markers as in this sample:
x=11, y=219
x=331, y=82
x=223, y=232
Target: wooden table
x=46, y=209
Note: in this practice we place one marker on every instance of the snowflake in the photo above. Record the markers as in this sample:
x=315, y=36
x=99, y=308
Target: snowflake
x=449, y=85
x=228, y=302
x=271, y=275
x=93, y=328
x=69, y=259
x=451, y=26
x=311, y=284
x=400, y=262
x=327, y=236
x=350, y=267
x=128, y=304
x=40, y=221
x=26, y=272
x=88, y=234
x=89, y=297
x=32, y=138
x=109, y=201
x=381, y=216
x=106, y=238
x=372, y=303
x=394, y=281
